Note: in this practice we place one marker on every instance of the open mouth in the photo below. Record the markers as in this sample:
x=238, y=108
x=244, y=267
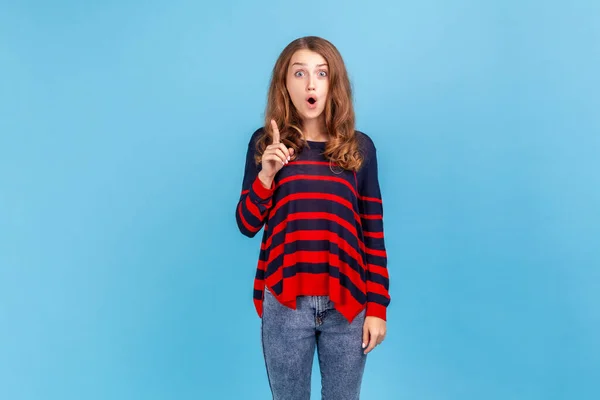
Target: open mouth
x=312, y=101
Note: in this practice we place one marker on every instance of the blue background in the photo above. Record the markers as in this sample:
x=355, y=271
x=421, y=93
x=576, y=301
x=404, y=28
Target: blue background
x=123, y=130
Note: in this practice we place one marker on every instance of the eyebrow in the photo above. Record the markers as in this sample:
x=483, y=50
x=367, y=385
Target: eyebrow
x=304, y=64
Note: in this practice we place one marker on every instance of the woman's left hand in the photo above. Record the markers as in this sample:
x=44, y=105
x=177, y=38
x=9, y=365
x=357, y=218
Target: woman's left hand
x=374, y=330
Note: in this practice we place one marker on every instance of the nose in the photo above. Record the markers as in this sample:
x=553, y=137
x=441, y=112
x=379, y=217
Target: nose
x=311, y=83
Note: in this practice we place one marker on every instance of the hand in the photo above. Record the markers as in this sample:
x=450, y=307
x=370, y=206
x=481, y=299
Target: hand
x=374, y=330
x=275, y=156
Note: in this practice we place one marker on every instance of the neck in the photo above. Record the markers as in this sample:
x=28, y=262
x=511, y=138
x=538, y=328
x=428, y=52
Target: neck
x=314, y=130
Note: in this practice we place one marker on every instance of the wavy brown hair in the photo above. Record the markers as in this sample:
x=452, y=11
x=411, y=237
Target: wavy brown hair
x=342, y=147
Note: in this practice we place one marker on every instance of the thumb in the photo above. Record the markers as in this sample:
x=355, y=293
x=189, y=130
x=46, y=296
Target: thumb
x=291, y=149
x=365, y=340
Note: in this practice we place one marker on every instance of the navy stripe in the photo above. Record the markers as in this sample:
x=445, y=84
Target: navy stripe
x=249, y=217
x=319, y=186
x=315, y=245
x=377, y=298
x=371, y=207
x=316, y=225
x=315, y=170
x=335, y=273
x=316, y=268
x=377, y=278
x=260, y=274
x=372, y=225
x=241, y=225
x=256, y=199
x=313, y=205
x=278, y=288
x=377, y=260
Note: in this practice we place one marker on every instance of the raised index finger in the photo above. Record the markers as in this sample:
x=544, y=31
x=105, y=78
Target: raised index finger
x=275, y=132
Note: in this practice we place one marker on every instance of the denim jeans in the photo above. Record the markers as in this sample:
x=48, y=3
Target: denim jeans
x=289, y=338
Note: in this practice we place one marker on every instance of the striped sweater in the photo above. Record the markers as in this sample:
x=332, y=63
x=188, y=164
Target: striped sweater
x=323, y=231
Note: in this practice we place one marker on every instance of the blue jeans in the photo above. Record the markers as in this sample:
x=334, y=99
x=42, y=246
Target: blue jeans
x=289, y=338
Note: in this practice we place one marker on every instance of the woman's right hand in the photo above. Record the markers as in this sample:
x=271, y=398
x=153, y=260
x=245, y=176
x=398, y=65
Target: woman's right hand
x=275, y=156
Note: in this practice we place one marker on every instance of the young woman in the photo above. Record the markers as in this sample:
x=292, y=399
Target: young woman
x=311, y=181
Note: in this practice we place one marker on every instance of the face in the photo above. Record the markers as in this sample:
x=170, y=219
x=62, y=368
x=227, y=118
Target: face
x=307, y=83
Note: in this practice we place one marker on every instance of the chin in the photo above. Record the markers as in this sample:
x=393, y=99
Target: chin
x=315, y=114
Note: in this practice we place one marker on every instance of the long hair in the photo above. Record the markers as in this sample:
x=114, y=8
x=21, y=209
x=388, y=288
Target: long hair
x=342, y=147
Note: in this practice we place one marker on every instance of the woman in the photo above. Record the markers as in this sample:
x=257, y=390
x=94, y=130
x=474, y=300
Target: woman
x=311, y=181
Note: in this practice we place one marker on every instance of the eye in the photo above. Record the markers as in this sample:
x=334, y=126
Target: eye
x=323, y=73
x=299, y=72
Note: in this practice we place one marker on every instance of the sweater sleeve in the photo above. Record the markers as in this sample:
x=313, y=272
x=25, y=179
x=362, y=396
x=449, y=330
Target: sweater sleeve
x=255, y=200
x=371, y=213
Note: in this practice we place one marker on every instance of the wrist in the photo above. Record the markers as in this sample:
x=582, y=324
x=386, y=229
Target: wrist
x=267, y=181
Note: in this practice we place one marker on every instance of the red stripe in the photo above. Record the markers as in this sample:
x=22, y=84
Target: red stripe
x=378, y=288
x=278, y=228
x=371, y=216
x=373, y=252
x=375, y=199
x=316, y=235
x=306, y=235
x=274, y=253
x=320, y=257
x=376, y=310
x=245, y=192
x=313, y=196
x=339, y=294
x=317, y=178
x=378, y=270
x=253, y=209
x=332, y=197
x=316, y=257
x=259, y=284
x=308, y=215
x=345, y=300
x=375, y=235
x=246, y=224
x=311, y=257
x=261, y=265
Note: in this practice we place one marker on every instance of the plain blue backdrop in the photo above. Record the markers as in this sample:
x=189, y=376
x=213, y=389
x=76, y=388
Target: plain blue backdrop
x=123, y=130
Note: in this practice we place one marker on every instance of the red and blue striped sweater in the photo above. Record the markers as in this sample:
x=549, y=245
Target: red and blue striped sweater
x=323, y=231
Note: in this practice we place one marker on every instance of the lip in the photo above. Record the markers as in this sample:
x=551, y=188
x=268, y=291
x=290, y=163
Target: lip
x=314, y=105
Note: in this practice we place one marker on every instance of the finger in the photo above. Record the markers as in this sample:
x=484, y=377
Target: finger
x=275, y=132
x=277, y=155
x=372, y=344
x=285, y=150
x=273, y=157
x=276, y=146
x=283, y=156
x=365, y=336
